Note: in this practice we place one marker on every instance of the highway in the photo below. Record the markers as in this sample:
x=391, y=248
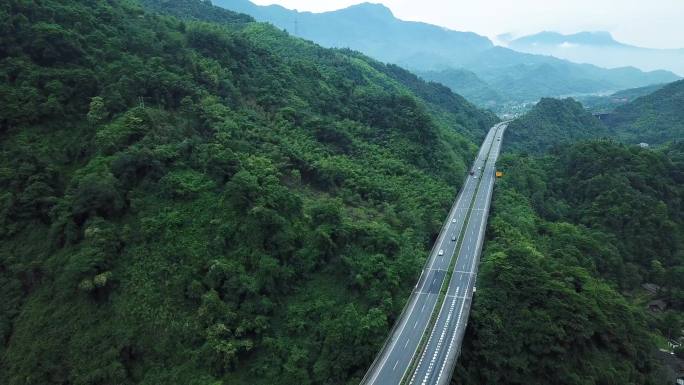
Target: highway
x=462, y=235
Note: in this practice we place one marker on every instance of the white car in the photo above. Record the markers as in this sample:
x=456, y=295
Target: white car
x=453, y=220
x=441, y=252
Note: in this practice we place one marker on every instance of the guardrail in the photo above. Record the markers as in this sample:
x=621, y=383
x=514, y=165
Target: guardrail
x=414, y=292
x=412, y=297
x=445, y=284
x=451, y=358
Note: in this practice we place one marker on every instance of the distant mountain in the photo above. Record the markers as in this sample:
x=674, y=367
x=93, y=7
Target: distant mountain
x=465, y=83
x=373, y=30
x=598, y=48
x=633, y=93
x=552, y=122
x=527, y=77
x=655, y=118
x=587, y=38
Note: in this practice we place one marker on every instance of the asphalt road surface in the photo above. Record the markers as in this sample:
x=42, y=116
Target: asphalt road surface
x=469, y=213
x=437, y=360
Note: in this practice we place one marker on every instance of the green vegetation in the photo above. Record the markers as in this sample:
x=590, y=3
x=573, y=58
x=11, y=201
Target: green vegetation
x=466, y=83
x=572, y=237
x=208, y=200
x=606, y=104
x=190, y=197
x=655, y=118
x=552, y=122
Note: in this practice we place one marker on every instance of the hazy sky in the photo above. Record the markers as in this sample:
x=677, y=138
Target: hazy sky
x=646, y=23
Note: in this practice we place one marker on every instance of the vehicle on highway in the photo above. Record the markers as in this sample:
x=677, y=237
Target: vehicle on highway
x=401, y=358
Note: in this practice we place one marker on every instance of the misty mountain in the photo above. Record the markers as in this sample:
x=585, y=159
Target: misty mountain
x=599, y=48
x=373, y=30
x=527, y=77
x=601, y=38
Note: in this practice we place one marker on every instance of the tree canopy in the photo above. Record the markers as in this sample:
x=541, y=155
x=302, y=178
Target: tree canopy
x=573, y=236
x=206, y=199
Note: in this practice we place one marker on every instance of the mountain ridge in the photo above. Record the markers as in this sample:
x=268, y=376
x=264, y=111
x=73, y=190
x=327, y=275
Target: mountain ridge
x=585, y=37
x=423, y=47
x=347, y=28
x=598, y=48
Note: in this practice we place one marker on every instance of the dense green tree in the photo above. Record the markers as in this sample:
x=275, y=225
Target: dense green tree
x=655, y=118
x=574, y=234
x=200, y=198
x=552, y=122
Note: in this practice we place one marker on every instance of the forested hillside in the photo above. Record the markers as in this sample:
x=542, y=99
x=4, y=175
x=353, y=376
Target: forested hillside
x=606, y=104
x=449, y=108
x=184, y=202
x=466, y=83
x=573, y=236
x=655, y=118
x=552, y=122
